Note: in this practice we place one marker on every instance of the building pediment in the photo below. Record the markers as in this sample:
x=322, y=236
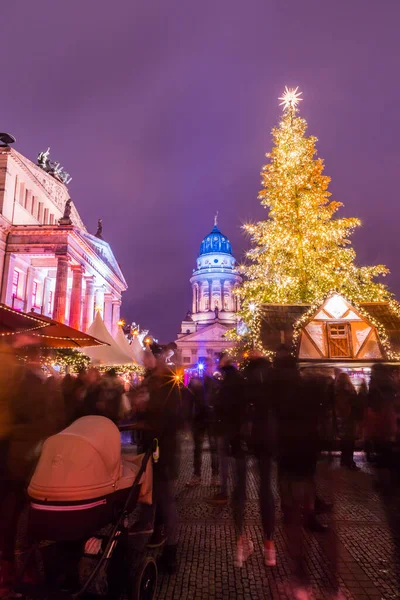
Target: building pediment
x=104, y=252
x=210, y=333
x=55, y=190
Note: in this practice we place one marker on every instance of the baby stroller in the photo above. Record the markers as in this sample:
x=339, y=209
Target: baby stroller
x=82, y=496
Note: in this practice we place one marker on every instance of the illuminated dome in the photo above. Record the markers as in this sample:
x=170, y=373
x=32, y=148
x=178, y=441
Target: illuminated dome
x=214, y=242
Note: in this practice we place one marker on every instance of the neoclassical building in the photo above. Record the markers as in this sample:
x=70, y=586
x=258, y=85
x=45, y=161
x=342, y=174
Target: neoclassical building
x=214, y=305
x=49, y=263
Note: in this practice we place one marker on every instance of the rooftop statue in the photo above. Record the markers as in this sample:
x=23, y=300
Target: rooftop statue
x=66, y=218
x=53, y=167
x=99, y=231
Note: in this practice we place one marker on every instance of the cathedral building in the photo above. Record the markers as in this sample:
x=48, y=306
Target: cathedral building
x=49, y=263
x=214, y=305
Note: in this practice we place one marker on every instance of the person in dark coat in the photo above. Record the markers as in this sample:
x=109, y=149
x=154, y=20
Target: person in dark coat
x=259, y=376
x=199, y=398
x=30, y=425
x=348, y=418
x=382, y=414
x=231, y=415
x=298, y=413
x=161, y=419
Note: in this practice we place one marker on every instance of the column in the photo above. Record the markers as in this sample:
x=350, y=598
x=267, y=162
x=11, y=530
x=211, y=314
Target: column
x=88, y=306
x=209, y=294
x=108, y=311
x=194, y=298
x=116, y=315
x=99, y=305
x=203, y=295
x=222, y=305
x=75, y=310
x=29, y=288
x=60, y=294
x=6, y=291
x=46, y=295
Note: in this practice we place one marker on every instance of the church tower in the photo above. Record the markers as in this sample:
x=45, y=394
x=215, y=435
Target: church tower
x=214, y=305
x=214, y=279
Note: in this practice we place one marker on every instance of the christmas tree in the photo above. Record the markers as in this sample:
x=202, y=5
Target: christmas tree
x=301, y=252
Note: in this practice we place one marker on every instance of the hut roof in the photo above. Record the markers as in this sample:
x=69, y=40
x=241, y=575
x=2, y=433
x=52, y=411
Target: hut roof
x=277, y=317
x=380, y=312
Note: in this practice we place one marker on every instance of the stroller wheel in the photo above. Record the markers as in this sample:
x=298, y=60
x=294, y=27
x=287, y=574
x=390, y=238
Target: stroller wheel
x=144, y=580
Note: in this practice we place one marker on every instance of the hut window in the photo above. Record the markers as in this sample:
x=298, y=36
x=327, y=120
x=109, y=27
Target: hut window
x=339, y=340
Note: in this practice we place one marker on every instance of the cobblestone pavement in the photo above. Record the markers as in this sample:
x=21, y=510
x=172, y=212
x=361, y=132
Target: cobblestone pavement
x=364, y=537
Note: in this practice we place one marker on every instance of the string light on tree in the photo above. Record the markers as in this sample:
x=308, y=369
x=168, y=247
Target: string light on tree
x=302, y=251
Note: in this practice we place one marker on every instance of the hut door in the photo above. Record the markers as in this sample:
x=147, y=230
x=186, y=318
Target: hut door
x=339, y=340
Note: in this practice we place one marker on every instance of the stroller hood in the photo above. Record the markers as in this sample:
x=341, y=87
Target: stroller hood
x=83, y=461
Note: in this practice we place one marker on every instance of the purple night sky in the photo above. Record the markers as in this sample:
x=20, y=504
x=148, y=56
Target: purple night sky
x=162, y=111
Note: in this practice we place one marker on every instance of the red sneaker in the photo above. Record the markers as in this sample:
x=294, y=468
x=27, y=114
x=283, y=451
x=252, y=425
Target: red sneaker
x=269, y=553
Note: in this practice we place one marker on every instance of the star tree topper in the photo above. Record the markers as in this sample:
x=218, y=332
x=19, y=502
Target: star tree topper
x=290, y=98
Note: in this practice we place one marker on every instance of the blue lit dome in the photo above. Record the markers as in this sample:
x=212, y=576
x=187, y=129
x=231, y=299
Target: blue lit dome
x=215, y=242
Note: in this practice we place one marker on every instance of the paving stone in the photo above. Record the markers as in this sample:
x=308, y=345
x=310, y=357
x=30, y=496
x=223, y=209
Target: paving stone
x=364, y=540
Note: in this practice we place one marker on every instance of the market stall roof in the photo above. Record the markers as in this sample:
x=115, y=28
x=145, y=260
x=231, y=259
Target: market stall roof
x=127, y=348
x=13, y=321
x=57, y=335
x=137, y=350
x=110, y=355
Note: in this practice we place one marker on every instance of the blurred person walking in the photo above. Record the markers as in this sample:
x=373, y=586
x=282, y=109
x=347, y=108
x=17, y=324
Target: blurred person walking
x=199, y=396
x=298, y=404
x=30, y=424
x=231, y=416
x=382, y=425
x=161, y=418
x=348, y=418
x=261, y=400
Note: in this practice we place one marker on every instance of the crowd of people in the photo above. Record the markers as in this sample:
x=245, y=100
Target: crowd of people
x=277, y=413
x=269, y=410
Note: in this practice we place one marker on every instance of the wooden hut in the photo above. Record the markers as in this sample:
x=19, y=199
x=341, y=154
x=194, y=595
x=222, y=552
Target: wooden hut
x=336, y=333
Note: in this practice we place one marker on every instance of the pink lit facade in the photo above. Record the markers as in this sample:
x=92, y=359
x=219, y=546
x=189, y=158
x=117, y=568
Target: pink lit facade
x=61, y=271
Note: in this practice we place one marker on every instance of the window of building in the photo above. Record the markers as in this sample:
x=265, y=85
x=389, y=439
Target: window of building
x=186, y=359
x=34, y=206
x=51, y=219
x=15, y=282
x=46, y=216
x=26, y=198
x=21, y=197
x=16, y=189
x=50, y=304
x=194, y=351
x=339, y=340
x=34, y=293
x=40, y=212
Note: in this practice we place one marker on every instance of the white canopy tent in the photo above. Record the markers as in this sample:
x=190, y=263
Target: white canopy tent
x=134, y=350
x=109, y=355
